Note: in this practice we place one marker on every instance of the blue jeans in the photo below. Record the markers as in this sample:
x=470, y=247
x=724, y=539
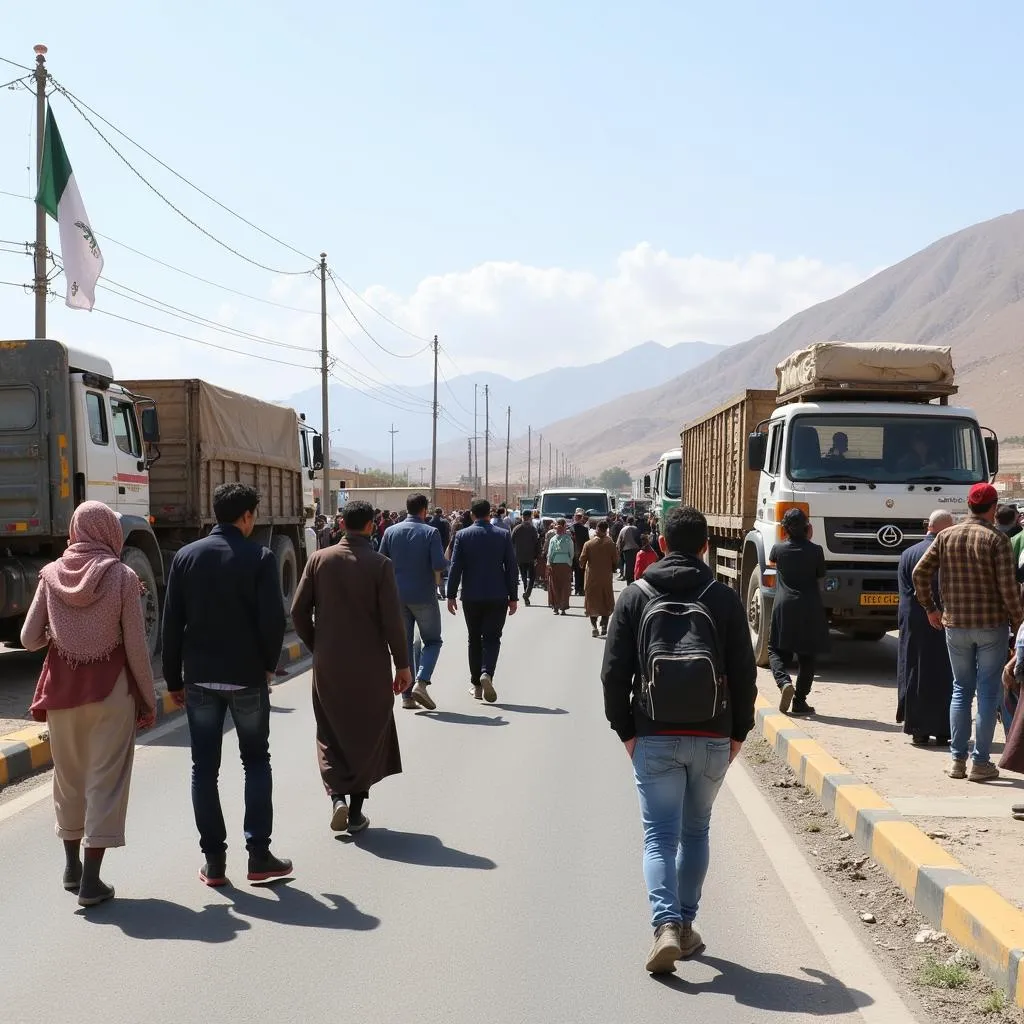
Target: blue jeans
x=250, y=712
x=677, y=779
x=424, y=649
x=977, y=657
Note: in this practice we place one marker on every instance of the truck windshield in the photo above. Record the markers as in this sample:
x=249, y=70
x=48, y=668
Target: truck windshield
x=886, y=449
x=565, y=503
x=674, y=479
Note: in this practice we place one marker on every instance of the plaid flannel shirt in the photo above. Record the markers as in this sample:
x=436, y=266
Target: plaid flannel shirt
x=978, y=581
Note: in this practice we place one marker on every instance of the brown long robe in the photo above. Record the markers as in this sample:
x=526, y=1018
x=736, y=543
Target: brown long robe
x=600, y=559
x=357, y=634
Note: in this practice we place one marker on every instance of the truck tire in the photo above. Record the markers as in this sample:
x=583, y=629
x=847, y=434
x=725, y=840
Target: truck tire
x=868, y=636
x=136, y=560
x=287, y=569
x=759, y=618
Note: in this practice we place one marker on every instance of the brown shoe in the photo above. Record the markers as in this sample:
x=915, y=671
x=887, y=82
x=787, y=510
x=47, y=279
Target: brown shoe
x=983, y=771
x=957, y=769
x=690, y=942
x=666, y=949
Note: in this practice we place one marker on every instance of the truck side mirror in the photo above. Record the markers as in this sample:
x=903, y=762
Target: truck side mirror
x=757, y=449
x=992, y=455
x=647, y=484
x=318, y=452
x=150, y=425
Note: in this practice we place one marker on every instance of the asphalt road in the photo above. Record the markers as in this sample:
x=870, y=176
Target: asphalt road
x=500, y=881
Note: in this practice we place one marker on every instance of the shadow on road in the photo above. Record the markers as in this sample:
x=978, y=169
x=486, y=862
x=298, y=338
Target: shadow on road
x=415, y=848
x=779, y=993
x=162, y=919
x=531, y=709
x=457, y=718
x=871, y=724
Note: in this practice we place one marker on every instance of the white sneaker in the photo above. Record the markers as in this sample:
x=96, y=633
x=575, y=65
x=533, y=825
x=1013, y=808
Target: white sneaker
x=487, y=685
x=421, y=695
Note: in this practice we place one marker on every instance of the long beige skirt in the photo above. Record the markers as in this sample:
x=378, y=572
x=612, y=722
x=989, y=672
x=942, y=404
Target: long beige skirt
x=93, y=749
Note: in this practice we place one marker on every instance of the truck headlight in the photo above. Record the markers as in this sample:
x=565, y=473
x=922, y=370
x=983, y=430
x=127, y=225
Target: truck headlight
x=831, y=583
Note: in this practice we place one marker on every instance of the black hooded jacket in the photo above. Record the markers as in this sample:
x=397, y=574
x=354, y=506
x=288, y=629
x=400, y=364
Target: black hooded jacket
x=684, y=577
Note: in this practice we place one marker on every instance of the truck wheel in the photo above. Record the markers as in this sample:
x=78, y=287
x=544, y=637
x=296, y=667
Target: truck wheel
x=869, y=636
x=759, y=618
x=136, y=560
x=287, y=569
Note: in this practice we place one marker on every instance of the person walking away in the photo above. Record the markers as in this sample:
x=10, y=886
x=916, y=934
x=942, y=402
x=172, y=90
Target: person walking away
x=599, y=559
x=500, y=519
x=561, y=556
x=924, y=675
x=980, y=606
x=414, y=548
x=223, y=627
x=645, y=557
x=799, y=627
x=94, y=691
x=1006, y=521
x=527, y=544
x=541, y=578
x=484, y=566
x=629, y=545
x=679, y=685
x=348, y=612
x=444, y=528
x=580, y=535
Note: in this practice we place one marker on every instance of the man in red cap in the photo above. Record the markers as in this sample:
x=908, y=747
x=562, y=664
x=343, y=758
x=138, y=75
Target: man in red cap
x=980, y=606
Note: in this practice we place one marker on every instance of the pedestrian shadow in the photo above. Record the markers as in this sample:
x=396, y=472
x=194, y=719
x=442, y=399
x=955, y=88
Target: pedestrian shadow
x=778, y=993
x=275, y=710
x=457, y=718
x=415, y=848
x=869, y=724
x=530, y=709
x=221, y=922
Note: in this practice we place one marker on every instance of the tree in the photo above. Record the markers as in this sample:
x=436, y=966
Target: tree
x=615, y=479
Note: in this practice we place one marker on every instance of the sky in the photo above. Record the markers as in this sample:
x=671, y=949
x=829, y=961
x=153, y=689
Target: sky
x=540, y=184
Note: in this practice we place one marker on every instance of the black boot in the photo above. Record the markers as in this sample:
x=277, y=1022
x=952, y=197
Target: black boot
x=214, y=872
x=263, y=866
x=801, y=707
x=92, y=890
x=73, y=864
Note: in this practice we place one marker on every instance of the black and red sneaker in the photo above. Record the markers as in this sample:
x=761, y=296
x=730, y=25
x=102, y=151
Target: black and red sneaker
x=265, y=866
x=214, y=873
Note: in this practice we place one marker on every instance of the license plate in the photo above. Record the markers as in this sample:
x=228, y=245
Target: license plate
x=886, y=600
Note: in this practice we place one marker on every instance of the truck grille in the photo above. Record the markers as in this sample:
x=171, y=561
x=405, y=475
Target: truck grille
x=872, y=536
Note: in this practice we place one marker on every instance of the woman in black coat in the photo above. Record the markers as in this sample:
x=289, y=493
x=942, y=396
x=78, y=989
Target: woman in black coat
x=799, y=627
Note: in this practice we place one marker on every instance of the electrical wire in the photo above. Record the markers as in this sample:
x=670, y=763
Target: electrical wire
x=15, y=64
x=15, y=195
x=227, y=209
x=145, y=181
x=362, y=327
x=14, y=81
x=206, y=344
x=15, y=284
x=384, y=316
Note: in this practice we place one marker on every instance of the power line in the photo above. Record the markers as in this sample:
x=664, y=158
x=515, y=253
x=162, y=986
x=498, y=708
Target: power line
x=227, y=209
x=384, y=316
x=15, y=64
x=15, y=195
x=207, y=344
x=14, y=81
x=15, y=284
x=386, y=351
x=145, y=181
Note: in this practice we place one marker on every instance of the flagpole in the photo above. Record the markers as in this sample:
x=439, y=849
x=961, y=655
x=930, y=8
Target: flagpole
x=39, y=284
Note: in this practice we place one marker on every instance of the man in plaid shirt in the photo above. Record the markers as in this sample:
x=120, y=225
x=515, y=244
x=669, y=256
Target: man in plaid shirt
x=981, y=605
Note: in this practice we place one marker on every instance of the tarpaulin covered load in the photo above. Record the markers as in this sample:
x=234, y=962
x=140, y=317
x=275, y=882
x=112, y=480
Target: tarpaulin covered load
x=876, y=368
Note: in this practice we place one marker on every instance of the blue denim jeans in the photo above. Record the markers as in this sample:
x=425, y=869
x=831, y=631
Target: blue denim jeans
x=977, y=657
x=250, y=712
x=677, y=779
x=423, y=635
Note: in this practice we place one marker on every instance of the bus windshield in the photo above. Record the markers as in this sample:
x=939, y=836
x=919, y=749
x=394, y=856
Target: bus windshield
x=674, y=479
x=886, y=449
x=559, y=504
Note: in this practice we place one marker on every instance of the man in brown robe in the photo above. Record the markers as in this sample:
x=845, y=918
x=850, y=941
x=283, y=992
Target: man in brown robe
x=359, y=632
x=599, y=558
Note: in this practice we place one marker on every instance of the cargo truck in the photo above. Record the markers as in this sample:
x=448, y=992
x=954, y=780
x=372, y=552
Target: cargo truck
x=863, y=439
x=152, y=450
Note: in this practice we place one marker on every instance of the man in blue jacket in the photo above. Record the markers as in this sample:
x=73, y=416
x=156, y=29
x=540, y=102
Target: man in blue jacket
x=484, y=564
x=223, y=627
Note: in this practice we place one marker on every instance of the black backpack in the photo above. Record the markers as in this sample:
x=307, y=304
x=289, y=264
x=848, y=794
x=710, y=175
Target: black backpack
x=680, y=659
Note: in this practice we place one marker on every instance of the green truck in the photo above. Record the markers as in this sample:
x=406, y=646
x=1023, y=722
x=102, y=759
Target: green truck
x=664, y=484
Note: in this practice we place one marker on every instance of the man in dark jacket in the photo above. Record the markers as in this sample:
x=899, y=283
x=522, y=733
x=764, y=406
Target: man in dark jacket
x=580, y=535
x=527, y=543
x=679, y=767
x=443, y=527
x=484, y=565
x=223, y=628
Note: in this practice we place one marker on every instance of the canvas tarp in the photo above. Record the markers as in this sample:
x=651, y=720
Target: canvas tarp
x=244, y=429
x=868, y=363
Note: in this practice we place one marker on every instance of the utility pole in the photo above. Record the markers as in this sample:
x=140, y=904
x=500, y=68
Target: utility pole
x=540, y=462
x=433, y=448
x=327, y=504
x=476, y=447
x=422, y=470
x=508, y=447
x=529, y=458
x=487, y=441
x=550, y=463
x=469, y=463
x=392, y=432
x=39, y=284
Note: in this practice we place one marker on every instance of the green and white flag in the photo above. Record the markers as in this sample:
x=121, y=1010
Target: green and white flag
x=59, y=196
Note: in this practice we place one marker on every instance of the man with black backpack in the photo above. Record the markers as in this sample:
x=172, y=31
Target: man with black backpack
x=679, y=683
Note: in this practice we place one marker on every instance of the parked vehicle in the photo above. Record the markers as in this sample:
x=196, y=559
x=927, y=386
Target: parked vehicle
x=563, y=501
x=862, y=438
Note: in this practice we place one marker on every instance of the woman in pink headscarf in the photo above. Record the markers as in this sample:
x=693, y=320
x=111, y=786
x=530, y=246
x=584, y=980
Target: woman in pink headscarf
x=95, y=690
